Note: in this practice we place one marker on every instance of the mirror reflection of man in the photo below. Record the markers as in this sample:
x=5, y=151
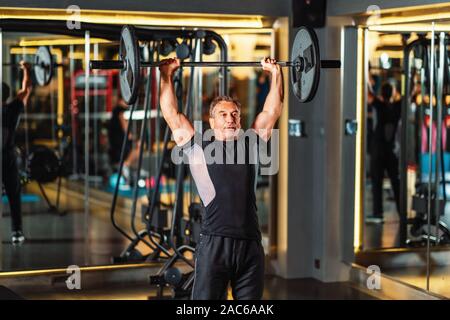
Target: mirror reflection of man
x=10, y=119
x=117, y=129
x=383, y=159
x=229, y=250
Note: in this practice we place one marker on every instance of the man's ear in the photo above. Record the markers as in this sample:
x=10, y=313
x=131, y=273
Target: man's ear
x=211, y=123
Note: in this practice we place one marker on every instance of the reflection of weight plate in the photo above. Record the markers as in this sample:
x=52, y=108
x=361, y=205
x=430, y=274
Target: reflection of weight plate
x=43, y=66
x=43, y=164
x=134, y=255
x=173, y=276
x=306, y=47
x=183, y=51
x=130, y=74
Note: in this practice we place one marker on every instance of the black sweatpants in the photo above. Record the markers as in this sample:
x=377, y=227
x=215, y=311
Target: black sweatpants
x=383, y=159
x=11, y=181
x=222, y=260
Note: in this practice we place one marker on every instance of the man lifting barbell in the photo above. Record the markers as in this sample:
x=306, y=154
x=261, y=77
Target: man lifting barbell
x=229, y=250
x=43, y=66
x=11, y=180
x=230, y=246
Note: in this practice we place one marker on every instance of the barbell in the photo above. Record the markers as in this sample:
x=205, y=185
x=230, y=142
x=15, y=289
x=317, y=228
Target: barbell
x=43, y=66
x=305, y=64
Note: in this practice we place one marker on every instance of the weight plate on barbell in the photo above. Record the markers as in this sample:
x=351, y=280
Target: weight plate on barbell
x=305, y=81
x=130, y=74
x=43, y=66
x=305, y=72
x=183, y=51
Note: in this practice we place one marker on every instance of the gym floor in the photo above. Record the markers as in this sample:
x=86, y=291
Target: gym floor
x=59, y=238
x=275, y=288
x=385, y=235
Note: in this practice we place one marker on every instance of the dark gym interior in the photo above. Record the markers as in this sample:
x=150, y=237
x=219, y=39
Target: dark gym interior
x=350, y=203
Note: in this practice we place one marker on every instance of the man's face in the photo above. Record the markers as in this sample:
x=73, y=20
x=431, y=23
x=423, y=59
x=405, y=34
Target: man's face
x=226, y=121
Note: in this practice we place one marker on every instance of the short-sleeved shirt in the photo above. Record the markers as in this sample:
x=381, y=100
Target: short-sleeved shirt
x=10, y=120
x=225, y=175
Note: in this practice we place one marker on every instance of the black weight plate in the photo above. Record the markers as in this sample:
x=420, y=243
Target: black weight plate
x=166, y=47
x=183, y=51
x=306, y=81
x=173, y=276
x=43, y=66
x=130, y=74
x=43, y=164
x=134, y=255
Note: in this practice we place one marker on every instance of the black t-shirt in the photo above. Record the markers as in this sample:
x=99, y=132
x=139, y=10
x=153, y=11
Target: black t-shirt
x=387, y=117
x=225, y=176
x=10, y=120
x=116, y=134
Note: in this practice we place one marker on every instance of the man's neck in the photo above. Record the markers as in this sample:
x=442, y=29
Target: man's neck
x=225, y=139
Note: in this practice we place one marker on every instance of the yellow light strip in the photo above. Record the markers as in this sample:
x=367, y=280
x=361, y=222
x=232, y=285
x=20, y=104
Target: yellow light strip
x=412, y=27
x=58, y=42
x=357, y=240
x=16, y=50
x=435, y=16
x=82, y=269
x=412, y=14
x=75, y=55
x=245, y=31
x=137, y=18
x=410, y=9
x=81, y=56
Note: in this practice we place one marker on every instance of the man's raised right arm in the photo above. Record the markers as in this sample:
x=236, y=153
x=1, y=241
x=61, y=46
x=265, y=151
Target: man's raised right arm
x=180, y=125
x=24, y=93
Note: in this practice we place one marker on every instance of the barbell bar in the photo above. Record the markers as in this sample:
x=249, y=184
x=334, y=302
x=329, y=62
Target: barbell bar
x=305, y=64
x=118, y=64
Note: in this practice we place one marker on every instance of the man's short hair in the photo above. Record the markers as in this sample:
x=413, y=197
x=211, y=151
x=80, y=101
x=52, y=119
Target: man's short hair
x=6, y=91
x=221, y=99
